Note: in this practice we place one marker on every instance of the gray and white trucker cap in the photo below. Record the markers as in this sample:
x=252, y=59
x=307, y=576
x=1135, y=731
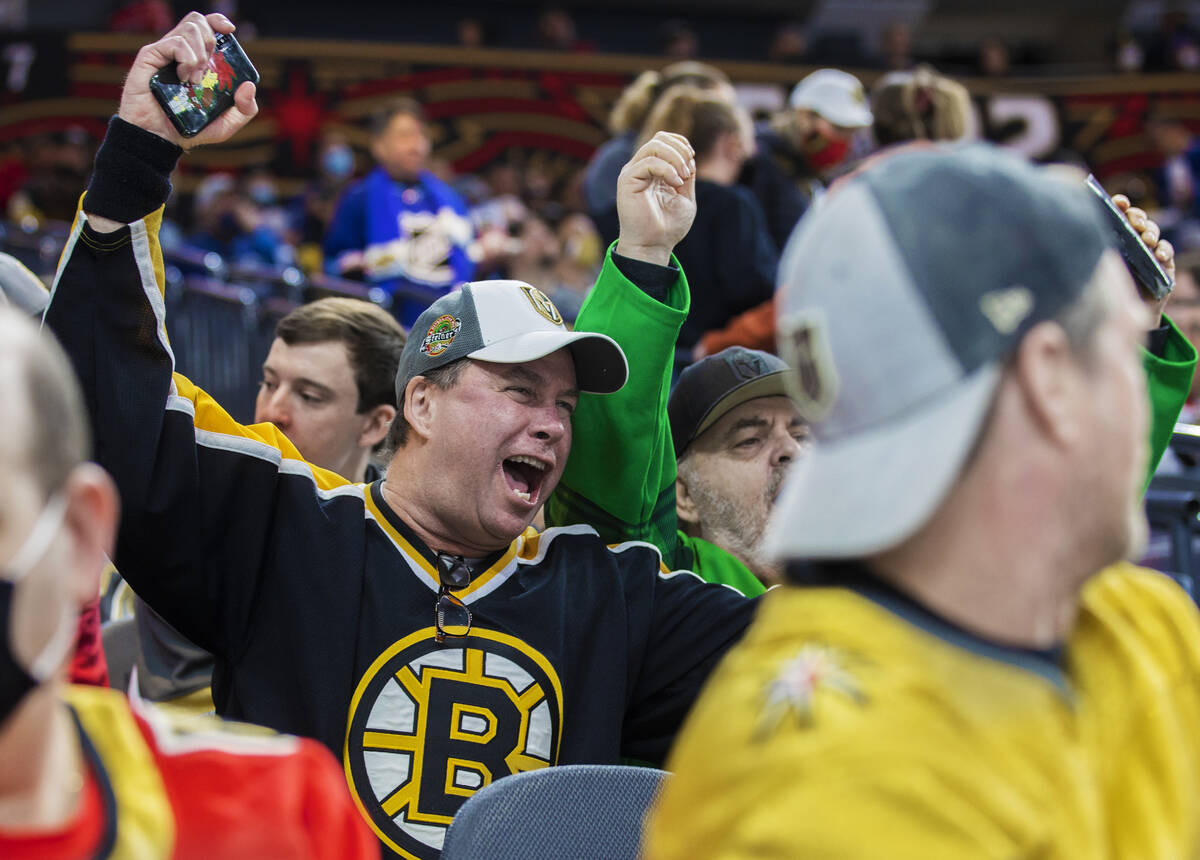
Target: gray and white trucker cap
x=508, y=322
x=901, y=296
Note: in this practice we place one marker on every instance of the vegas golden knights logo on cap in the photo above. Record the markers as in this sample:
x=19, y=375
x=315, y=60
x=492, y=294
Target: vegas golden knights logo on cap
x=542, y=304
x=804, y=344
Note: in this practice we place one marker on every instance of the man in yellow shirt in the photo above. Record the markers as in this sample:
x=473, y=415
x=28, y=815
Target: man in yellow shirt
x=970, y=670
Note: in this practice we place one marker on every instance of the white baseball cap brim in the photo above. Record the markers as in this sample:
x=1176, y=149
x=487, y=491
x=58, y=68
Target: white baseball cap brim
x=600, y=366
x=836, y=95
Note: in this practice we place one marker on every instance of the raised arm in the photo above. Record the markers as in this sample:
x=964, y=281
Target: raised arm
x=620, y=477
x=198, y=490
x=1169, y=358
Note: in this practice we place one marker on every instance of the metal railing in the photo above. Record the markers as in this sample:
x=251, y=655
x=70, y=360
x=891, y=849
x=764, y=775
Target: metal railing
x=221, y=317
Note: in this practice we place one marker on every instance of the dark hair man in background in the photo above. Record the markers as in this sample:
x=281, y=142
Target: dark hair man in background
x=328, y=383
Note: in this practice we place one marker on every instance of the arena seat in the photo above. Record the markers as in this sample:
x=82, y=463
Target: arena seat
x=120, y=642
x=585, y=812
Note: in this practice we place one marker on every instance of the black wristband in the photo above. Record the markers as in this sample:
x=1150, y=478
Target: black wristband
x=652, y=279
x=132, y=176
x=1156, y=339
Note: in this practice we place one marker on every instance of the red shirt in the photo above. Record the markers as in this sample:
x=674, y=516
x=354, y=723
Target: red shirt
x=228, y=795
x=88, y=665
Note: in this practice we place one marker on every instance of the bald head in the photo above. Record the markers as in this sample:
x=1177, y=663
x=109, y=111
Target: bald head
x=40, y=404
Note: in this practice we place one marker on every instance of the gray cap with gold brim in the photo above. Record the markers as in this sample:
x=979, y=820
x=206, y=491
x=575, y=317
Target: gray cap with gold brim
x=902, y=295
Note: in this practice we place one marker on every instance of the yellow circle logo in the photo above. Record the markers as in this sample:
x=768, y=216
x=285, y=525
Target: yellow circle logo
x=432, y=724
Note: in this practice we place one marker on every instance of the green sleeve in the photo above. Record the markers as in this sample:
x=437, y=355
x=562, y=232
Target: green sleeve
x=620, y=477
x=1168, y=379
x=714, y=564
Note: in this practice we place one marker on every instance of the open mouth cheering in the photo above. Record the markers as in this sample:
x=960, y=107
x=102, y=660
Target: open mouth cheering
x=524, y=475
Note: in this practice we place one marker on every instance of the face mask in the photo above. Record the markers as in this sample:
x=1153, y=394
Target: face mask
x=16, y=680
x=338, y=162
x=826, y=153
x=262, y=194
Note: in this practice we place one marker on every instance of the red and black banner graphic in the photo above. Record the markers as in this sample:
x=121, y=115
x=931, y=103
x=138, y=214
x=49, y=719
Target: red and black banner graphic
x=489, y=106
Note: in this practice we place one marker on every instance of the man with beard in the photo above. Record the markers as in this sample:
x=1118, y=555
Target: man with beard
x=736, y=430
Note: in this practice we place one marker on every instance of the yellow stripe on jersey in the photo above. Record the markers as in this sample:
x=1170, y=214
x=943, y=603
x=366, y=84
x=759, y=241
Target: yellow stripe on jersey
x=402, y=544
x=145, y=819
x=478, y=582
x=430, y=572
x=211, y=416
x=662, y=565
x=528, y=542
x=208, y=415
x=153, y=223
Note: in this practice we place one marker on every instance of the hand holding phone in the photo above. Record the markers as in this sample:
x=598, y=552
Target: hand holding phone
x=187, y=54
x=1142, y=263
x=192, y=107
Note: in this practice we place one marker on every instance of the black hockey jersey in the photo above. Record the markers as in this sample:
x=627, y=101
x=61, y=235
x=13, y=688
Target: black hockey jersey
x=318, y=602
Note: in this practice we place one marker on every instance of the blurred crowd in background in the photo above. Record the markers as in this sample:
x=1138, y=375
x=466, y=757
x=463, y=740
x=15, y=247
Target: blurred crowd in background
x=1142, y=35
x=533, y=221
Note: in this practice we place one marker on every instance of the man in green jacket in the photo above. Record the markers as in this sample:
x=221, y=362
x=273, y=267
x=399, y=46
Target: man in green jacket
x=622, y=473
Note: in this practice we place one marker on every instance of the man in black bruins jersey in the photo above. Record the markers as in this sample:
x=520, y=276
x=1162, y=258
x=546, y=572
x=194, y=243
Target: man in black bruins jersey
x=416, y=625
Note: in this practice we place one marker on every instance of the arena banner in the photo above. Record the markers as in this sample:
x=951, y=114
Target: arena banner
x=489, y=106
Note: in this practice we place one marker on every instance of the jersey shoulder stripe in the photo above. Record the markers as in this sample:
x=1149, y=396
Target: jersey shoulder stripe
x=216, y=428
x=124, y=763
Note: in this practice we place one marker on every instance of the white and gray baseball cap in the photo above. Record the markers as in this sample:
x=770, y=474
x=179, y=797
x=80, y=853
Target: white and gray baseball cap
x=508, y=322
x=836, y=95
x=902, y=295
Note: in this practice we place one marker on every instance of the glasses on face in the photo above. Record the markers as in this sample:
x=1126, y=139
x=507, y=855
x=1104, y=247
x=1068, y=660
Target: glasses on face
x=451, y=616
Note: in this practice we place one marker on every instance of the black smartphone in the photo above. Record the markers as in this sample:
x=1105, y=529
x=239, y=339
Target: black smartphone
x=1142, y=263
x=191, y=107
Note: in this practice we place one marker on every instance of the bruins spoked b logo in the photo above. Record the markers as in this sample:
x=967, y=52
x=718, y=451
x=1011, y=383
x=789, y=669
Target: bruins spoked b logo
x=432, y=724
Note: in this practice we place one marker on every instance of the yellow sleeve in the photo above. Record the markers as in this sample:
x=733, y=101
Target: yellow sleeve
x=907, y=812
x=1153, y=615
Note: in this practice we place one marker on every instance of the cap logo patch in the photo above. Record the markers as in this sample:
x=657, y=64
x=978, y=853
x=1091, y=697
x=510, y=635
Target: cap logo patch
x=1007, y=309
x=542, y=304
x=440, y=335
x=811, y=680
x=748, y=367
x=804, y=344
